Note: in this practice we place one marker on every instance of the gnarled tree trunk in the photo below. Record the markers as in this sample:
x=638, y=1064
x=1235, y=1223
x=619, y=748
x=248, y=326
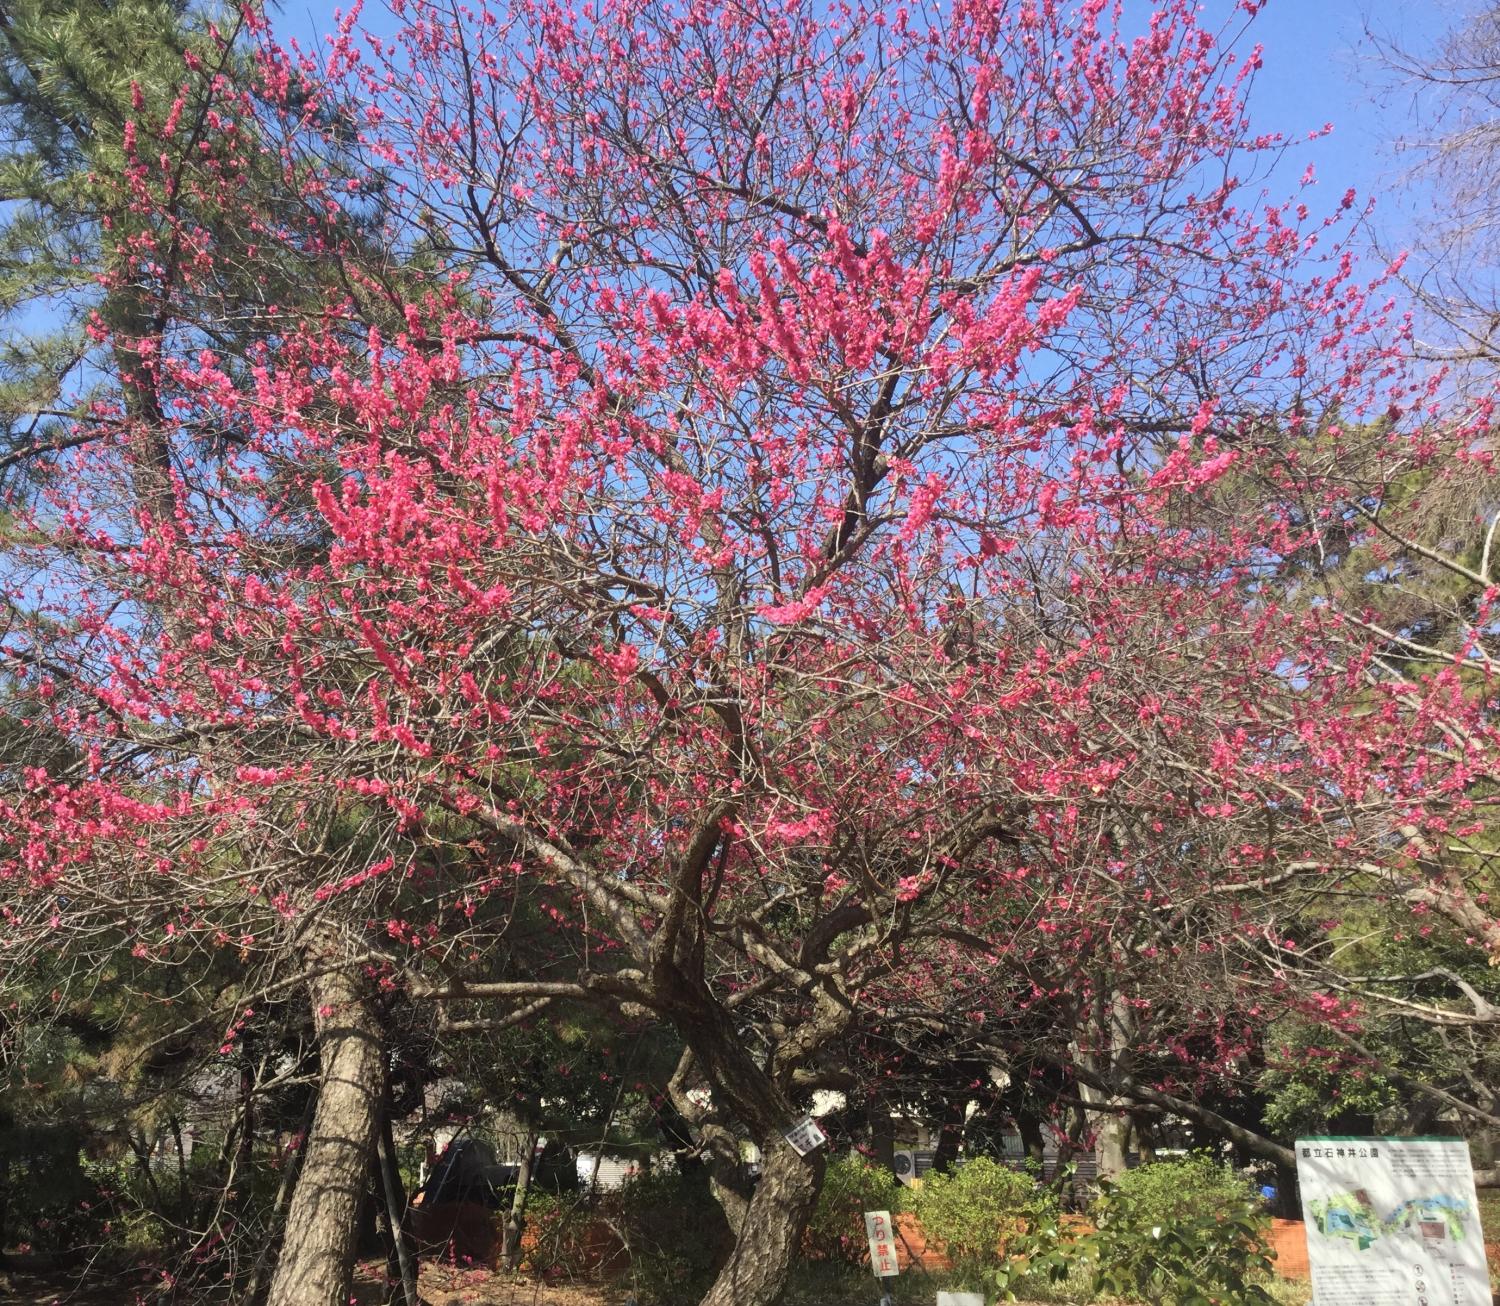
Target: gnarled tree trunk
x=770, y=1229
x=768, y=1219
x=316, y=1264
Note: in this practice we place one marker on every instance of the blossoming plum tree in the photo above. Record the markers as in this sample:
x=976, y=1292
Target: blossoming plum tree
x=765, y=511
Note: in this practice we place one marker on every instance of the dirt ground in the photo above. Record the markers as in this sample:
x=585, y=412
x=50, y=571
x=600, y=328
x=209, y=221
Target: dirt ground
x=443, y=1285
x=440, y=1285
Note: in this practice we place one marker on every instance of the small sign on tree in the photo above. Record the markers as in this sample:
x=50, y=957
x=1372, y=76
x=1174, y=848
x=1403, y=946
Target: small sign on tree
x=804, y=1136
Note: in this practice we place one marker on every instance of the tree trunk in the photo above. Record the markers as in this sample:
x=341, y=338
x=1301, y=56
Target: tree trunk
x=183, y=1205
x=1145, y=1136
x=770, y=1233
x=395, y=1210
x=768, y=1219
x=246, y=1144
x=291, y=1165
x=950, y=1136
x=1288, y=1204
x=317, y=1254
x=1111, y=1138
x=141, y=1150
x=718, y=1151
x=592, y=1194
x=768, y=1227
x=1109, y=1057
x=1032, y=1138
x=515, y=1223
x=883, y=1139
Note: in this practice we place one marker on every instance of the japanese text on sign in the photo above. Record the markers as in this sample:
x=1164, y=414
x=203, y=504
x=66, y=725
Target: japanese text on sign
x=882, y=1236
x=805, y=1136
x=1392, y=1220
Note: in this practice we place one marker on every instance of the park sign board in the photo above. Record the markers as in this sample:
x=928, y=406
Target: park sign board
x=1392, y=1220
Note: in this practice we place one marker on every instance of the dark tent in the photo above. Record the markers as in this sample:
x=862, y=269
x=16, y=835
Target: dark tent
x=468, y=1172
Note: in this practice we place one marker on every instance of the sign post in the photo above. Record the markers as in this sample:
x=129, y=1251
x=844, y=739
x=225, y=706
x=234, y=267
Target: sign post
x=1392, y=1220
x=882, y=1235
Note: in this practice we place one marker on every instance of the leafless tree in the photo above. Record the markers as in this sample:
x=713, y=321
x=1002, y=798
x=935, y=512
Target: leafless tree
x=1451, y=89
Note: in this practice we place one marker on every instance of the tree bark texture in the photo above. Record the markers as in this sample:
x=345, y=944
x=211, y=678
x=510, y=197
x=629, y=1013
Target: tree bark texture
x=1109, y=1057
x=770, y=1232
x=395, y=1209
x=767, y=1220
x=515, y=1222
x=316, y=1264
x=1111, y=1139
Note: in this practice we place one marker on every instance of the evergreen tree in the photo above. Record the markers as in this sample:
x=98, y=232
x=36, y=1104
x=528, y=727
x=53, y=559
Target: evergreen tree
x=67, y=73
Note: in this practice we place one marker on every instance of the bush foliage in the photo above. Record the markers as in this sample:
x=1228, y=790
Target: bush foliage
x=676, y=1235
x=976, y=1209
x=1188, y=1232
x=1183, y=1188
x=836, y=1231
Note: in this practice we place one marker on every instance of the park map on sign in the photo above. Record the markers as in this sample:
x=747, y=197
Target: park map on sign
x=1352, y=1215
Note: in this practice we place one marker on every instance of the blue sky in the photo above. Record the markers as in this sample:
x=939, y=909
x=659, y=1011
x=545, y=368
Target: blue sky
x=1318, y=69
x=1321, y=67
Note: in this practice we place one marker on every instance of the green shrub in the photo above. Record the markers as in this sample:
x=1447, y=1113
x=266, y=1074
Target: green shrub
x=675, y=1232
x=556, y=1241
x=1189, y=1232
x=55, y=1203
x=1166, y=1191
x=978, y=1207
x=852, y=1186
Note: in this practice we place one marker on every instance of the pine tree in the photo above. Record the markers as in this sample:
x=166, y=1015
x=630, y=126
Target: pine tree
x=67, y=73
